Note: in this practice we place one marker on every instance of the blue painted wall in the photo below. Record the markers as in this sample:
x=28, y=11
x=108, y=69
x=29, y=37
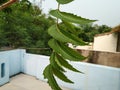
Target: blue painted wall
x=96, y=77
x=13, y=60
x=4, y=71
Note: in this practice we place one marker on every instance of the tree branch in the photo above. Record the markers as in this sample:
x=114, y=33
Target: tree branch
x=7, y=4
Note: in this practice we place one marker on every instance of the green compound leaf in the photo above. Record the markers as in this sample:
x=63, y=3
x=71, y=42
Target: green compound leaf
x=54, y=63
x=64, y=36
x=64, y=1
x=65, y=51
x=48, y=73
x=70, y=27
x=71, y=52
x=61, y=75
x=65, y=64
x=70, y=17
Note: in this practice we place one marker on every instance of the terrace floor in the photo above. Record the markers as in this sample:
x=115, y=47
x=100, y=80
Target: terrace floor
x=26, y=82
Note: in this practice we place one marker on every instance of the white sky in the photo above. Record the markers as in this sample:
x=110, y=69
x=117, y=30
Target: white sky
x=106, y=11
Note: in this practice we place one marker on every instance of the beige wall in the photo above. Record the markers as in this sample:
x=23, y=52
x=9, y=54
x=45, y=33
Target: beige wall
x=105, y=43
x=102, y=58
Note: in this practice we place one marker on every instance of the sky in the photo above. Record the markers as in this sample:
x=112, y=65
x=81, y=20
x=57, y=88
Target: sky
x=107, y=12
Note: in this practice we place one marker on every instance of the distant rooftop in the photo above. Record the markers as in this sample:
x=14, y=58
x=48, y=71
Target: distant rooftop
x=115, y=29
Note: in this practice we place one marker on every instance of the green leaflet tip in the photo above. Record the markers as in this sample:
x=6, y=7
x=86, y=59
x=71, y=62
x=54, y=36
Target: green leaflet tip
x=70, y=17
x=64, y=1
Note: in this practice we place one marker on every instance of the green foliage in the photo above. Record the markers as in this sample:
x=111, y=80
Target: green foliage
x=25, y=26
x=54, y=64
x=70, y=17
x=61, y=36
x=48, y=73
x=64, y=36
x=57, y=70
x=62, y=62
x=87, y=31
x=2, y=1
x=3, y=41
x=64, y=1
x=65, y=51
x=61, y=75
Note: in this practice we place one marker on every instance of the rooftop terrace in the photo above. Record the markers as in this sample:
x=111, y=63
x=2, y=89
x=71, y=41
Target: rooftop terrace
x=13, y=62
x=26, y=82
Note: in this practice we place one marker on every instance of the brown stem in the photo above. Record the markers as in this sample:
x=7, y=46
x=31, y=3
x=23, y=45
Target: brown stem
x=58, y=10
x=58, y=6
x=7, y=4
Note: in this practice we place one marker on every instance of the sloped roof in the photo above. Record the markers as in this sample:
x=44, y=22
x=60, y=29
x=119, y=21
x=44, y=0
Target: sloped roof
x=115, y=29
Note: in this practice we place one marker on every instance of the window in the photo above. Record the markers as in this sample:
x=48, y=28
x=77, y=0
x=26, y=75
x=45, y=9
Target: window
x=2, y=70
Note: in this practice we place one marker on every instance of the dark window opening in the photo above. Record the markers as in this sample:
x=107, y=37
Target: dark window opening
x=2, y=70
x=118, y=42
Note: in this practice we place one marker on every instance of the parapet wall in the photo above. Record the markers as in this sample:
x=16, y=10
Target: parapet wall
x=11, y=63
x=102, y=58
x=95, y=77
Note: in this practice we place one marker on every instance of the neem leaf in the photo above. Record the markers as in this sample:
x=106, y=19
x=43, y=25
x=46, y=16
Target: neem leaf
x=72, y=54
x=64, y=36
x=70, y=17
x=65, y=51
x=64, y=1
x=70, y=27
x=65, y=64
x=48, y=73
x=61, y=76
x=54, y=63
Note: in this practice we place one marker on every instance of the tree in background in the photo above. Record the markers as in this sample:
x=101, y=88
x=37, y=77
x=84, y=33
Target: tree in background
x=88, y=31
x=24, y=25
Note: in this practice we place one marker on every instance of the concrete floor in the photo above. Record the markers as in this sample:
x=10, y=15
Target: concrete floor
x=26, y=82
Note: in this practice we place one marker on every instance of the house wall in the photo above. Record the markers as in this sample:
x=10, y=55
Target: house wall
x=10, y=64
x=106, y=43
x=15, y=59
x=4, y=71
x=96, y=77
x=106, y=58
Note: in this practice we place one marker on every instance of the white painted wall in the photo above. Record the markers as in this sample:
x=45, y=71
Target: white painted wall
x=105, y=43
x=96, y=77
x=15, y=59
x=35, y=64
x=5, y=78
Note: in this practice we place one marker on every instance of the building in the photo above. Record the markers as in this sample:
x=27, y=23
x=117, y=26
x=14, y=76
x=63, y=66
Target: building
x=109, y=42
